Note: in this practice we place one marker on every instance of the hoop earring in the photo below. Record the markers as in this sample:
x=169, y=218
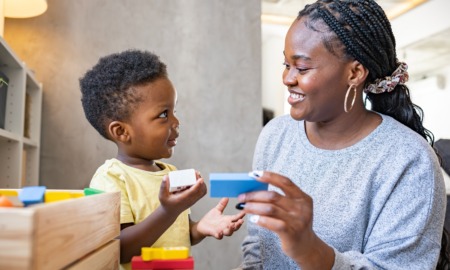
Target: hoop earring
x=352, y=86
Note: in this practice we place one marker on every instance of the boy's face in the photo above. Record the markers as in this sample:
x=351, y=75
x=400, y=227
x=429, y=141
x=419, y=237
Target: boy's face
x=153, y=124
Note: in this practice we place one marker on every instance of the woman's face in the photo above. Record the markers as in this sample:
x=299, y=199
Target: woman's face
x=316, y=79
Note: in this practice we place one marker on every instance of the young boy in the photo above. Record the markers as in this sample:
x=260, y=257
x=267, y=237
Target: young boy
x=128, y=98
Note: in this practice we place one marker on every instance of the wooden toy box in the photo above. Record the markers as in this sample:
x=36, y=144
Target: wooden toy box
x=60, y=235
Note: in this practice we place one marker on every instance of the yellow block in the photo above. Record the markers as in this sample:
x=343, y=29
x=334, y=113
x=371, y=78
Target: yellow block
x=54, y=196
x=75, y=195
x=61, y=194
x=165, y=253
x=9, y=192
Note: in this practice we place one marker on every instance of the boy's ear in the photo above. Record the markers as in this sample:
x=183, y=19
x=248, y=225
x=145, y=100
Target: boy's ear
x=119, y=132
x=358, y=73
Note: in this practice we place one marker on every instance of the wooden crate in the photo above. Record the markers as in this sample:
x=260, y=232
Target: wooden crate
x=105, y=257
x=54, y=235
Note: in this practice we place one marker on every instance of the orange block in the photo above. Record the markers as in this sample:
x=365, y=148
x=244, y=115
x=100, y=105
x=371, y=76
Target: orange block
x=5, y=202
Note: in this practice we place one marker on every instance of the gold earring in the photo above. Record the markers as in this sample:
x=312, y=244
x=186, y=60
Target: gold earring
x=352, y=86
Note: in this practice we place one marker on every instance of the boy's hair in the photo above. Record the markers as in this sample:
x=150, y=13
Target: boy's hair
x=108, y=92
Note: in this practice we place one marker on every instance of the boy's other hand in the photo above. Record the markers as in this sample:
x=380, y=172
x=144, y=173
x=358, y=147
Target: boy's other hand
x=216, y=224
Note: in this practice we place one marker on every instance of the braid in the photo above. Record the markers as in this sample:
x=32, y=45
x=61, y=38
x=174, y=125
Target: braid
x=341, y=32
x=387, y=46
x=353, y=23
x=385, y=21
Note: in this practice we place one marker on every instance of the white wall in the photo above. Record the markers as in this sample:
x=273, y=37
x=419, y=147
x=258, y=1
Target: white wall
x=432, y=94
x=273, y=96
x=427, y=60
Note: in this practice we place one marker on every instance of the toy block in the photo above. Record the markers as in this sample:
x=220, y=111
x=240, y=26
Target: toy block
x=233, y=184
x=5, y=202
x=75, y=195
x=92, y=191
x=32, y=195
x=149, y=254
x=181, y=179
x=15, y=201
x=9, y=192
x=54, y=196
x=137, y=263
x=164, y=253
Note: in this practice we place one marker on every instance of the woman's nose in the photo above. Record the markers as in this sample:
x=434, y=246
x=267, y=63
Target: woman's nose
x=289, y=77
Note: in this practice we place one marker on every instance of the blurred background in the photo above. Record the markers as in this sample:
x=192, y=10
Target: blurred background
x=224, y=58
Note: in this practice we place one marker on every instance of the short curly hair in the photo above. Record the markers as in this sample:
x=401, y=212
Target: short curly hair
x=108, y=91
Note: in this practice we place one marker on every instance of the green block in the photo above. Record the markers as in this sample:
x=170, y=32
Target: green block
x=92, y=191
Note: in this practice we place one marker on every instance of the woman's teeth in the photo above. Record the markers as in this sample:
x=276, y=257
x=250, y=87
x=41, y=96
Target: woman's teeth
x=297, y=96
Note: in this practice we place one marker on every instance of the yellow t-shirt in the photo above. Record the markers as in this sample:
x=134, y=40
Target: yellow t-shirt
x=139, y=198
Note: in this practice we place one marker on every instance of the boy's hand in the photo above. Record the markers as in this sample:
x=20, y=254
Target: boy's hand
x=217, y=225
x=177, y=202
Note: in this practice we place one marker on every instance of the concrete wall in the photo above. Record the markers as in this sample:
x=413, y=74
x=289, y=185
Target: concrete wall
x=213, y=52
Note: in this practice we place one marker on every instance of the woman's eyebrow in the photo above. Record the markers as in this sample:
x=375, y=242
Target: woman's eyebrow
x=299, y=56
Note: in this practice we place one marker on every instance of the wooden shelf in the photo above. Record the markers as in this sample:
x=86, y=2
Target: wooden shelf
x=20, y=137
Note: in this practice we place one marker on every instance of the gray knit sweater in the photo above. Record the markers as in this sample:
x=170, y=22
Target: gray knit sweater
x=379, y=203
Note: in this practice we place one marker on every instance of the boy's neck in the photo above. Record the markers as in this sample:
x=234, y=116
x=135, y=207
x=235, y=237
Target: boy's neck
x=138, y=163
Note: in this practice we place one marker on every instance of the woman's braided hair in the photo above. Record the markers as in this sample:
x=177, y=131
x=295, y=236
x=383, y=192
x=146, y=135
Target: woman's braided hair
x=362, y=31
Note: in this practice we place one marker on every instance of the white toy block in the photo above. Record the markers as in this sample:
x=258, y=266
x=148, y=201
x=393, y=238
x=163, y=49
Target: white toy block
x=181, y=179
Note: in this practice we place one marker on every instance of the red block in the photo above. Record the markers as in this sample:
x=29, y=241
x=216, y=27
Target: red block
x=183, y=264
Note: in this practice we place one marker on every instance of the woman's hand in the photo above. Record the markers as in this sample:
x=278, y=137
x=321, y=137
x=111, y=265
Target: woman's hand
x=177, y=202
x=291, y=217
x=216, y=224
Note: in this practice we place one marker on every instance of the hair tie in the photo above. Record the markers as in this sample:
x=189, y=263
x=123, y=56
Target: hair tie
x=388, y=83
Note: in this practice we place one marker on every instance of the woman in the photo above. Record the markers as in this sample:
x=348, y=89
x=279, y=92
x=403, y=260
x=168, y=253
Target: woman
x=350, y=187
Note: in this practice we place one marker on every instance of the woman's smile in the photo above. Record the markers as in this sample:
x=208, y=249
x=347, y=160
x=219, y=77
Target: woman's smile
x=295, y=98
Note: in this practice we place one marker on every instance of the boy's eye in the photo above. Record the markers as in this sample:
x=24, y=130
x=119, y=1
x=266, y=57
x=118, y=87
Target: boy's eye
x=286, y=65
x=163, y=115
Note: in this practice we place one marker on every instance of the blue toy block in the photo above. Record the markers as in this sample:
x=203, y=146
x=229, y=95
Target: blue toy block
x=32, y=195
x=232, y=184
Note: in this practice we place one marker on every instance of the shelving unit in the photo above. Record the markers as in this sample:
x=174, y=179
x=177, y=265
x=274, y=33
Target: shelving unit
x=20, y=138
